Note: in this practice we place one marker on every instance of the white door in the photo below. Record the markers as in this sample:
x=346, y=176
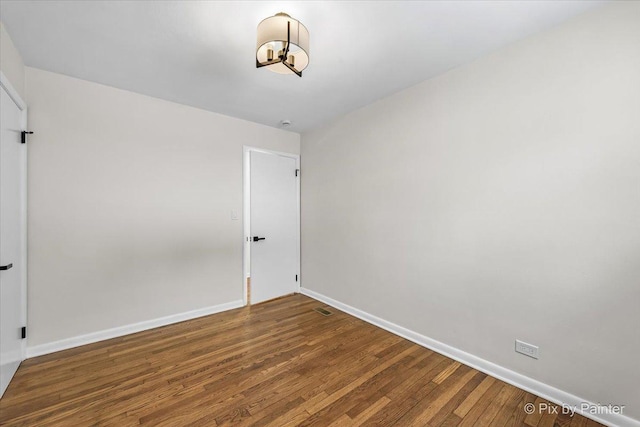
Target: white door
x=274, y=226
x=11, y=240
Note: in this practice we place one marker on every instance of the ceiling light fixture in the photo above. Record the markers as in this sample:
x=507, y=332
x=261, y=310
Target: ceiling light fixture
x=283, y=45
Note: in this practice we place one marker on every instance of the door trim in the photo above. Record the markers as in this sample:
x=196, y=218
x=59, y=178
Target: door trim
x=12, y=92
x=22, y=106
x=246, y=213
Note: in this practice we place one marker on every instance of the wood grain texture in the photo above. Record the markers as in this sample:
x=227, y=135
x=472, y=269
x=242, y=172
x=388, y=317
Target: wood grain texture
x=278, y=363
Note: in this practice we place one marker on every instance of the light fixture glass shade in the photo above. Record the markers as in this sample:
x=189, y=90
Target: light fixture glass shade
x=272, y=40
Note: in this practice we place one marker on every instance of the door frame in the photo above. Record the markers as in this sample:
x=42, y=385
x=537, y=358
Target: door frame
x=22, y=106
x=246, y=213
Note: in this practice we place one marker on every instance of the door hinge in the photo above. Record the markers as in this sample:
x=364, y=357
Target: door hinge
x=24, y=136
x=24, y=332
x=296, y=277
x=297, y=172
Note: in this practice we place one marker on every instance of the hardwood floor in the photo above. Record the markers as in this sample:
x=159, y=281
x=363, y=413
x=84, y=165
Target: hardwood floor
x=275, y=364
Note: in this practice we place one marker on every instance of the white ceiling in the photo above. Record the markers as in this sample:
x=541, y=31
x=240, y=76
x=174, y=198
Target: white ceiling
x=202, y=53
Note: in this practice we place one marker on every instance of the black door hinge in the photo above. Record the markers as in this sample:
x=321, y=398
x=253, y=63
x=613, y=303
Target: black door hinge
x=24, y=136
x=24, y=332
x=296, y=277
x=297, y=171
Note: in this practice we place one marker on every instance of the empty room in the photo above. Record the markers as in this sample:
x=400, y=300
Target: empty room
x=327, y=213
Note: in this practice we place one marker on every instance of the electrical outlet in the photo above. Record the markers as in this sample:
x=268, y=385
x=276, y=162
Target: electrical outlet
x=234, y=215
x=527, y=349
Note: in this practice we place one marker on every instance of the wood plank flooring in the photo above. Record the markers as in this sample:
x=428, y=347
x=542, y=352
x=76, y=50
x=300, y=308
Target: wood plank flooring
x=275, y=364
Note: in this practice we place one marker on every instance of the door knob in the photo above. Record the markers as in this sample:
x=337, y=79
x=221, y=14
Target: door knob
x=6, y=267
x=256, y=238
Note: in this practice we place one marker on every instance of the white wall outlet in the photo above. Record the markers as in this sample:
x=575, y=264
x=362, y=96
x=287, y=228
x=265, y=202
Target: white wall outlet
x=234, y=215
x=527, y=349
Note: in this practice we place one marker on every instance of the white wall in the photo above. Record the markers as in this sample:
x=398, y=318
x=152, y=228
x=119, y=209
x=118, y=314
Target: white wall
x=498, y=201
x=11, y=63
x=129, y=206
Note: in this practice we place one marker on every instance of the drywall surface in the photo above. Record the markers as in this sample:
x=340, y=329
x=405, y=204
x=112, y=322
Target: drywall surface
x=130, y=201
x=11, y=63
x=498, y=201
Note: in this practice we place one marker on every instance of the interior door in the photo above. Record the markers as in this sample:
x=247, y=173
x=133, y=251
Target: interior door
x=274, y=226
x=11, y=240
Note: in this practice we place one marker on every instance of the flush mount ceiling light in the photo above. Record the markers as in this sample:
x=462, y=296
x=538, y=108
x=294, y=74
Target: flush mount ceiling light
x=283, y=45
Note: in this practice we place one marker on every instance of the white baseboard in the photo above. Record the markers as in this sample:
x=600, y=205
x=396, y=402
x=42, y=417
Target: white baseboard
x=39, y=350
x=536, y=387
